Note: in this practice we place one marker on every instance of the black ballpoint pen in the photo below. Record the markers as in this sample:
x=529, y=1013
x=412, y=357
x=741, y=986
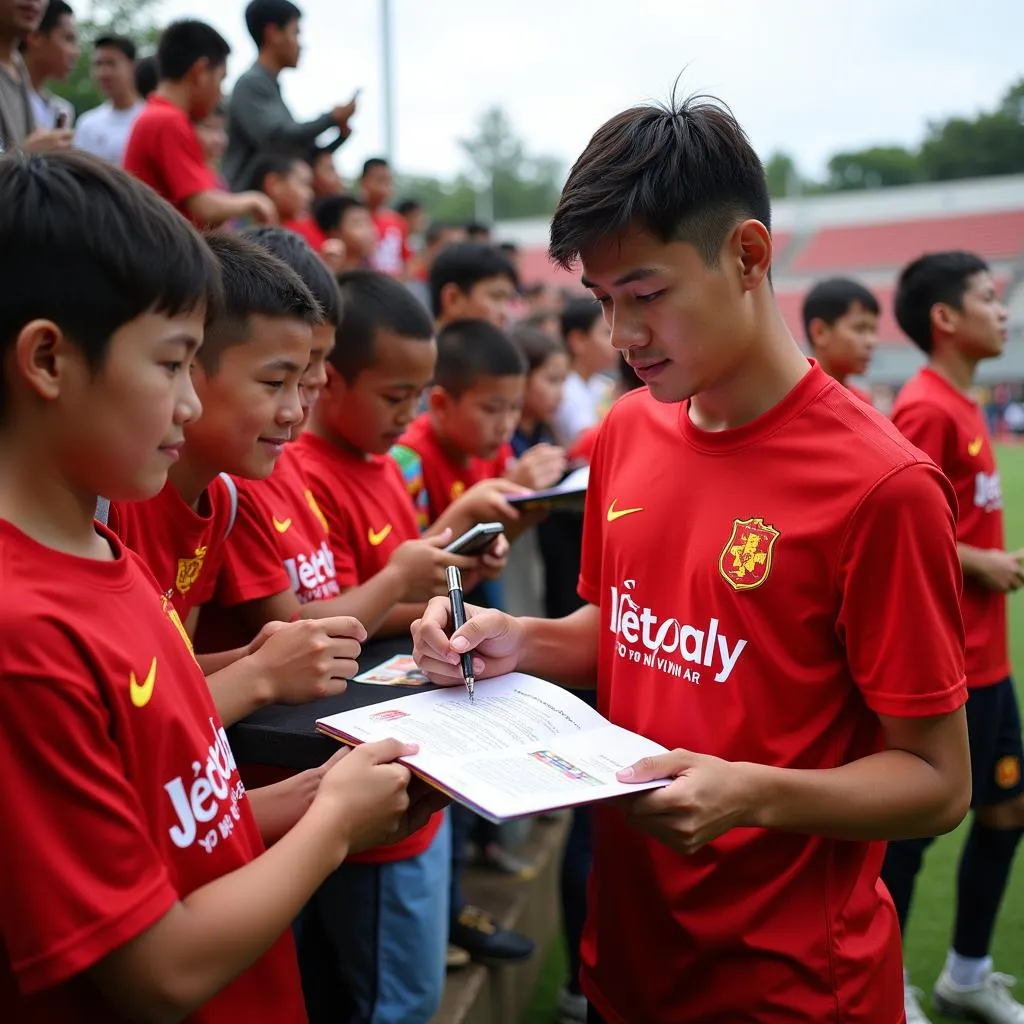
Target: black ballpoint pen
x=458, y=621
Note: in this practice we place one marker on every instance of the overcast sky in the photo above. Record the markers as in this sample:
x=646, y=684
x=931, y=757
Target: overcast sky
x=806, y=76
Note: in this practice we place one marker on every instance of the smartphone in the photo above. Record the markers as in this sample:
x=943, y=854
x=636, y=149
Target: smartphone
x=61, y=120
x=477, y=540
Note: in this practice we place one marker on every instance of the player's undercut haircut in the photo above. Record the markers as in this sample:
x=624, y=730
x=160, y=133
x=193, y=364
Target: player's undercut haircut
x=536, y=345
x=470, y=349
x=183, y=43
x=262, y=14
x=684, y=172
x=298, y=254
x=933, y=279
x=832, y=299
x=580, y=315
x=466, y=264
x=90, y=248
x=372, y=302
x=329, y=211
x=255, y=283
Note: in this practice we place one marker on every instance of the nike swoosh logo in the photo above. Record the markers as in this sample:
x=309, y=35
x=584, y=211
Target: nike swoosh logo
x=377, y=537
x=281, y=525
x=141, y=692
x=617, y=513
x=975, y=446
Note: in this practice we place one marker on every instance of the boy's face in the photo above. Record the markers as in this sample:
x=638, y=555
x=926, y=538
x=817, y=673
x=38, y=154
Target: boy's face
x=372, y=412
x=207, y=82
x=121, y=427
x=358, y=233
x=377, y=186
x=544, y=388
x=680, y=323
x=292, y=193
x=112, y=71
x=482, y=418
x=314, y=378
x=213, y=137
x=844, y=348
x=326, y=180
x=56, y=52
x=251, y=401
x=285, y=43
x=978, y=327
x=488, y=300
x=592, y=350
x=19, y=17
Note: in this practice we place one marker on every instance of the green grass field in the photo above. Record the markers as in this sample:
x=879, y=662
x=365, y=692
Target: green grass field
x=931, y=920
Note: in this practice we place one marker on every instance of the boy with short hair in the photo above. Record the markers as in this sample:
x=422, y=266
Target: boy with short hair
x=50, y=53
x=163, y=148
x=104, y=130
x=391, y=253
x=346, y=220
x=588, y=387
x=841, y=323
x=471, y=280
x=137, y=889
x=948, y=305
x=288, y=181
x=812, y=704
x=247, y=376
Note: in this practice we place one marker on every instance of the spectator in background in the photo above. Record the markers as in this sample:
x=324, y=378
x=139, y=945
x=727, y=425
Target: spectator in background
x=415, y=217
x=104, y=130
x=288, y=181
x=258, y=117
x=471, y=281
x=164, y=149
x=326, y=180
x=477, y=232
x=50, y=54
x=392, y=253
x=437, y=236
x=146, y=76
x=511, y=252
x=213, y=137
x=345, y=219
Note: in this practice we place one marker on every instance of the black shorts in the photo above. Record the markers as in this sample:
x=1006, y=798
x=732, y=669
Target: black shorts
x=993, y=725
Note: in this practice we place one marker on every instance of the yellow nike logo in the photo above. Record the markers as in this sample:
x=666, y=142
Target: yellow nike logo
x=376, y=537
x=281, y=525
x=617, y=513
x=975, y=446
x=141, y=692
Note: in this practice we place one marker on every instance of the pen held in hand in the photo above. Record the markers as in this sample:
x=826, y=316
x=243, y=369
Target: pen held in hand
x=458, y=621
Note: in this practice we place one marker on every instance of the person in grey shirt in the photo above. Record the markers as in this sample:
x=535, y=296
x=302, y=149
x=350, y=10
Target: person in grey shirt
x=258, y=118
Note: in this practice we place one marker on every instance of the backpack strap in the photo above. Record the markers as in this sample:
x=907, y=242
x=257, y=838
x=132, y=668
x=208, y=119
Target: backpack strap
x=102, y=510
x=232, y=488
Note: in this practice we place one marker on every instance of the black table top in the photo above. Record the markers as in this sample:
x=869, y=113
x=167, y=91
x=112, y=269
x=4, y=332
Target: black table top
x=285, y=735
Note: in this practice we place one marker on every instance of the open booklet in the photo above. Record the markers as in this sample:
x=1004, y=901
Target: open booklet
x=568, y=493
x=523, y=746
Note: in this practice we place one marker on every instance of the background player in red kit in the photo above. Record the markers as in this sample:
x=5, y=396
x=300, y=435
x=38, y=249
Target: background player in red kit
x=948, y=305
x=814, y=703
x=136, y=886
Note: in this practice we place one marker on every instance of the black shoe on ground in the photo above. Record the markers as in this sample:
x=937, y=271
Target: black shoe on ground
x=478, y=933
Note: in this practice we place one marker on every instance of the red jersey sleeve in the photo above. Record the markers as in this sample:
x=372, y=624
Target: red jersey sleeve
x=899, y=581
x=339, y=528
x=251, y=568
x=176, y=150
x=927, y=428
x=81, y=875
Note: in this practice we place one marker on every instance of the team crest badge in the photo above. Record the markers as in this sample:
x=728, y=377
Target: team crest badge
x=1007, y=772
x=189, y=569
x=746, y=558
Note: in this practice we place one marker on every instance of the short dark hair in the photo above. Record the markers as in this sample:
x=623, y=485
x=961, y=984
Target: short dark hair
x=466, y=264
x=91, y=248
x=183, y=43
x=831, y=299
x=329, y=211
x=298, y=254
x=120, y=43
x=55, y=10
x=508, y=248
x=683, y=172
x=470, y=349
x=255, y=283
x=579, y=315
x=147, y=75
x=374, y=161
x=937, y=277
x=475, y=230
x=272, y=163
x=261, y=14
x=407, y=206
x=536, y=345
x=436, y=229
x=372, y=302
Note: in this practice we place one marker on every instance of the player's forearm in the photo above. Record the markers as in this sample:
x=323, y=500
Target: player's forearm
x=215, y=933
x=215, y=208
x=278, y=808
x=398, y=621
x=889, y=795
x=972, y=559
x=240, y=689
x=563, y=650
x=370, y=602
x=219, y=660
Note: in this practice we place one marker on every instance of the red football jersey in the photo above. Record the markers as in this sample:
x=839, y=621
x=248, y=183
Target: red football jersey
x=948, y=426
x=308, y=229
x=860, y=393
x=180, y=546
x=392, y=252
x=119, y=784
x=368, y=514
x=443, y=477
x=164, y=151
x=808, y=594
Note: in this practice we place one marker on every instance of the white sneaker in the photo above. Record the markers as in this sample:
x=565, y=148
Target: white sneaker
x=912, y=1005
x=990, y=1002
x=572, y=1007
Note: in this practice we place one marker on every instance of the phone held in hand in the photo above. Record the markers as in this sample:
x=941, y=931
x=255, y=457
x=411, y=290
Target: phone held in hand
x=477, y=540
